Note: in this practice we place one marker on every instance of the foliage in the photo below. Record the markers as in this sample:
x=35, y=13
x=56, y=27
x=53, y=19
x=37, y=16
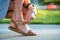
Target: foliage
x=44, y=2
x=51, y=0
x=57, y=2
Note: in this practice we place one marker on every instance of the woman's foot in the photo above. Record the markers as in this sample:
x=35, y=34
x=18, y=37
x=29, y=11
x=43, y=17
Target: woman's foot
x=22, y=29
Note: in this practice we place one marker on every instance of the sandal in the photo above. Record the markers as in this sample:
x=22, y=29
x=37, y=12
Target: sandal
x=15, y=30
x=29, y=33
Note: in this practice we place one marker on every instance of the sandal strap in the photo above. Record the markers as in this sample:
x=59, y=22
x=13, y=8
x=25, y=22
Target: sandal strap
x=30, y=33
x=17, y=22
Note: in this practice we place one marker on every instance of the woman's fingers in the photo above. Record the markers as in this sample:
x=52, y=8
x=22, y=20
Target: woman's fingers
x=30, y=14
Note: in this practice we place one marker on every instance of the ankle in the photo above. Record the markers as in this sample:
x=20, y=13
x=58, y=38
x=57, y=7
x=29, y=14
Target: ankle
x=12, y=25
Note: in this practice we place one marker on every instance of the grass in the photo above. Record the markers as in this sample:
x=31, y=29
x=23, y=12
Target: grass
x=5, y=21
x=43, y=17
x=47, y=16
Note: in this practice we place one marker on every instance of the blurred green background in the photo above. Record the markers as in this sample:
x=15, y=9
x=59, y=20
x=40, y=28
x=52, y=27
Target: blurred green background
x=43, y=16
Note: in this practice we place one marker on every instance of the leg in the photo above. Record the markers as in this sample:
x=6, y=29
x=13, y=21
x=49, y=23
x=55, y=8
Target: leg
x=19, y=16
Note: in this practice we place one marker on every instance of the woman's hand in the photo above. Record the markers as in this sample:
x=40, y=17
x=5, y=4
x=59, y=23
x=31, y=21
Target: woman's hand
x=30, y=14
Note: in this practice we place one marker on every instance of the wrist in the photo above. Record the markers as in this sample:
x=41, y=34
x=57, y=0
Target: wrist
x=28, y=6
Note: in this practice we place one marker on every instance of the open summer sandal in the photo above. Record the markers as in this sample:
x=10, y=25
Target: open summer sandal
x=29, y=33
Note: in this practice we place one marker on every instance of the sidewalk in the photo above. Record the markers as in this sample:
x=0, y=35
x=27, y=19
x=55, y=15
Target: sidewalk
x=45, y=32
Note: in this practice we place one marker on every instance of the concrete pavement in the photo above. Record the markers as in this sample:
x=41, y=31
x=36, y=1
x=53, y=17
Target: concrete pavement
x=45, y=32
